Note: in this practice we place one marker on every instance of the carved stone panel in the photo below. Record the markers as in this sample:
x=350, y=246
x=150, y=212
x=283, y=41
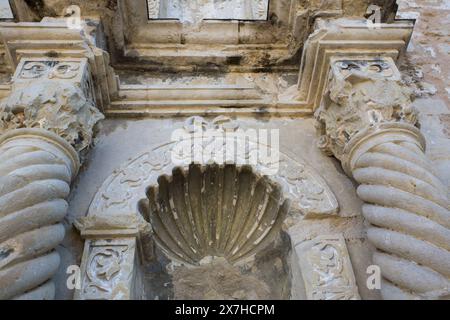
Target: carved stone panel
x=75, y=71
x=326, y=269
x=107, y=269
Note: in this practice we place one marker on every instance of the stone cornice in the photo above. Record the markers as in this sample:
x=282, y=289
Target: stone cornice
x=52, y=38
x=346, y=38
x=341, y=37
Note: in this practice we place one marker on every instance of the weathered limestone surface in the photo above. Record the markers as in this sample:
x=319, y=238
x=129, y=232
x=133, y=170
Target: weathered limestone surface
x=326, y=269
x=426, y=68
x=318, y=248
x=116, y=145
x=368, y=123
x=61, y=108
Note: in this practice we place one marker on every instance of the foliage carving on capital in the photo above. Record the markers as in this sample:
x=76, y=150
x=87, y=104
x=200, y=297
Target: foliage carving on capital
x=361, y=94
x=53, y=95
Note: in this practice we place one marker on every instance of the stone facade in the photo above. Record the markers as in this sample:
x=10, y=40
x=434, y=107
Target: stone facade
x=158, y=150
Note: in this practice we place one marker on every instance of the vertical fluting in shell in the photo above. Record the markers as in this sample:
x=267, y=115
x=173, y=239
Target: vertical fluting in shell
x=408, y=209
x=214, y=210
x=35, y=179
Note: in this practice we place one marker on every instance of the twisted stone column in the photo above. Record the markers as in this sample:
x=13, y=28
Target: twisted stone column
x=367, y=122
x=36, y=168
x=44, y=124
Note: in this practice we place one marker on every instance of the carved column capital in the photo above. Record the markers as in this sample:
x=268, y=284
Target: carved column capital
x=55, y=95
x=362, y=94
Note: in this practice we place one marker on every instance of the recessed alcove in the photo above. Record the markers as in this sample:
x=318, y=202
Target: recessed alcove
x=216, y=234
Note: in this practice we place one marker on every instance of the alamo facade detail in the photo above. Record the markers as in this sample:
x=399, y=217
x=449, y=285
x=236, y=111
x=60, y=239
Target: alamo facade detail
x=228, y=149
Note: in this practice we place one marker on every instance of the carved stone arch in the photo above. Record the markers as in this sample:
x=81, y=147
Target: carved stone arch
x=114, y=225
x=122, y=190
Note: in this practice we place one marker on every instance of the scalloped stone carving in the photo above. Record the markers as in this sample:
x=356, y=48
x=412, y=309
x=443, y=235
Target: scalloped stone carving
x=222, y=211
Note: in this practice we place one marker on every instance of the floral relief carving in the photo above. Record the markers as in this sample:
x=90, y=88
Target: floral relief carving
x=326, y=269
x=102, y=270
x=50, y=69
x=312, y=194
x=361, y=94
x=308, y=192
x=153, y=9
x=128, y=183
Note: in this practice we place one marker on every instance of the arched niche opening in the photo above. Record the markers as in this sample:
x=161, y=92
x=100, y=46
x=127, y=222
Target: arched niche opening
x=216, y=233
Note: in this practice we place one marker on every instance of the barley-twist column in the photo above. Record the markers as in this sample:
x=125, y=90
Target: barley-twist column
x=45, y=124
x=367, y=122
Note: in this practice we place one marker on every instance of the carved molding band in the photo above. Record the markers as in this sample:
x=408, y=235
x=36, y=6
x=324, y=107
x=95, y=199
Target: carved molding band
x=36, y=168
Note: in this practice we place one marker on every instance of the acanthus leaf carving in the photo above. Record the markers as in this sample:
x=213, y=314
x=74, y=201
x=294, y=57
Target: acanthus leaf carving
x=55, y=96
x=361, y=93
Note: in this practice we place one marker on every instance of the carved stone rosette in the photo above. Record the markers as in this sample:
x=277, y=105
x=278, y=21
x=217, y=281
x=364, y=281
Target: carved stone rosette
x=45, y=123
x=366, y=121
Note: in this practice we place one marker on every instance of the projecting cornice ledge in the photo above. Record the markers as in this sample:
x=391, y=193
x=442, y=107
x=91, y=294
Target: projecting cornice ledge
x=52, y=38
x=346, y=38
x=332, y=39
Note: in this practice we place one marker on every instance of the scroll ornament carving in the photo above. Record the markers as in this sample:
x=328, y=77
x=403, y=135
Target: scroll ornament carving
x=103, y=268
x=126, y=186
x=60, y=107
x=50, y=70
x=368, y=123
x=326, y=269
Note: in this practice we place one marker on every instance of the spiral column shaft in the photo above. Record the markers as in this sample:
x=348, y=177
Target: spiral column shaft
x=36, y=168
x=407, y=207
x=367, y=120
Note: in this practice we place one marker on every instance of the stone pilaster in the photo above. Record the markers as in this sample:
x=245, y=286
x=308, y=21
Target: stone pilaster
x=367, y=121
x=46, y=123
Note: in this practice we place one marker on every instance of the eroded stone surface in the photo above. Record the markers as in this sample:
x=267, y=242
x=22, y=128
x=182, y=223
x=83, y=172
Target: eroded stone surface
x=410, y=245
x=361, y=94
x=326, y=269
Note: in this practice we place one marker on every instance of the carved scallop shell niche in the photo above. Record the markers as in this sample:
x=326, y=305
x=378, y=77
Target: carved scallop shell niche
x=222, y=211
